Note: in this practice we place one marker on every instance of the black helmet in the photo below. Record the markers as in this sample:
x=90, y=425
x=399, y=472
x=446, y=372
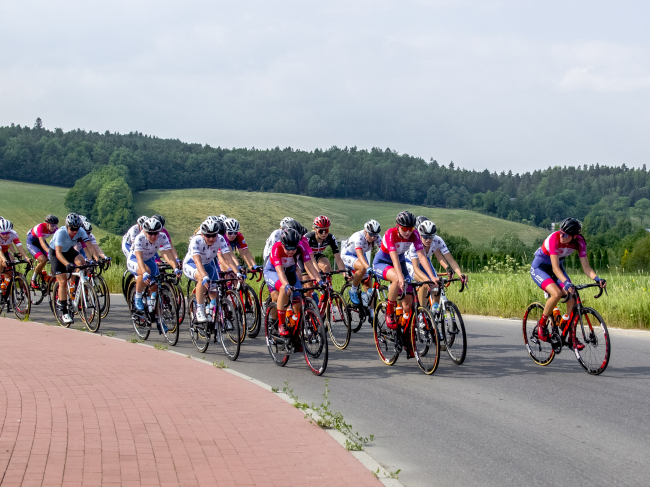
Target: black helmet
x=73, y=221
x=406, y=219
x=221, y=227
x=571, y=226
x=160, y=218
x=52, y=219
x=152, y=225
x=290, y=239
x=294, y=225
x=419, y=220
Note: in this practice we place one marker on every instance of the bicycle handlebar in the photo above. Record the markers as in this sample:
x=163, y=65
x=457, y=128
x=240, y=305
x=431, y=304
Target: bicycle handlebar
x=585, y=286
x=260, y=273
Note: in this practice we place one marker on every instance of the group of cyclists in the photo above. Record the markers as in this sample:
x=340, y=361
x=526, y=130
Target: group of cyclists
x=293, y=256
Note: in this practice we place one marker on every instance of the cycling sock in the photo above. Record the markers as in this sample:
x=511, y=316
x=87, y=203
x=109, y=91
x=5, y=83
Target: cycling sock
x=138, y=295
x=200, y=306
x=390, y=306
x=354, y=289
x=543, y=319
x=281, y=316
x=213, y=302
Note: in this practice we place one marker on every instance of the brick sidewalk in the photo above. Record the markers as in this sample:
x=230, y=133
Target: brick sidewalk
x=78, y=409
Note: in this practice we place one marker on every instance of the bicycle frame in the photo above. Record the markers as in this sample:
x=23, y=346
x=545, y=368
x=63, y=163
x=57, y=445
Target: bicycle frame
x=575, y=314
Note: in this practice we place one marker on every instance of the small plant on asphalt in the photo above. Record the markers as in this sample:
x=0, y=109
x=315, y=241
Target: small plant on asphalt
x=80, y=328
x=274, y=390
x=220, y=365
x=110, y=333
x=135, y=339
x=160, y=346
x=389, y=475
x=324, y=417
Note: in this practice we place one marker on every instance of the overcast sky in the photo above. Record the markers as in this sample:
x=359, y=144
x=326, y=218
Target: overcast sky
x=515, y=85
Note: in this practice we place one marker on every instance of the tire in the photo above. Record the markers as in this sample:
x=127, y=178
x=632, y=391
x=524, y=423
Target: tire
x=140, y=325
x=180, y=303
x=89, y=309
x=384, y=337
x=356, y=317
x=451, y=331
x=263, y=296
x=198, y=333
x=276, y=344
x=131, y=290
x=228, y=329
x=191, y=286
x=238, y=315
x=21, y=298
x=54, y=296
x=592, y=331
x=252, y=311
x=338, y=321
x=424, y=341
x=38, y=295
x=168, y=313
x=541, y=352
x=314, y=341
x=103, y=295
x=127, y=280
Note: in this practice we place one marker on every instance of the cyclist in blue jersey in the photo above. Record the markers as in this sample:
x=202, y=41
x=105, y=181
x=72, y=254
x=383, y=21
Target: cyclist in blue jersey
x=354, y=255
x=129, y=236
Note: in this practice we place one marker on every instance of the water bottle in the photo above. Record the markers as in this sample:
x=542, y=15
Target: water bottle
x=150, y=302
x=209, y=309
x=364, y=299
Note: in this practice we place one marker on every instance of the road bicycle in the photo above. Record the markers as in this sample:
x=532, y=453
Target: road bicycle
x=168, y=276
x=417, y=335
x=16, y=296
x=307, y=336
x=82, y=299
x=365, y=310
x=159, y=310
x=222, y=321
x=449, y=322
x=99, y=284
x=590, y=328
x=44, y=281
x=251, y=309
x=335, y=312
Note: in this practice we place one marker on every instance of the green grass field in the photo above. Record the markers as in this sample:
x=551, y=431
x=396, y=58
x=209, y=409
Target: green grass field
x=260, y=213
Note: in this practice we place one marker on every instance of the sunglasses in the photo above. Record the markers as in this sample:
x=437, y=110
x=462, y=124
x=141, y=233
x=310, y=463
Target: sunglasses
x=407, y=229
x=233, y=234
x=373, y=235
x=427, y=237
x=5, y=233
x=154, y=234
x=564, y=235
x=209, y=235
x=290, y=248
x=323, y=230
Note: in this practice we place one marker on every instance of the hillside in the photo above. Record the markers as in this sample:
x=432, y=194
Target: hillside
x=260, y=213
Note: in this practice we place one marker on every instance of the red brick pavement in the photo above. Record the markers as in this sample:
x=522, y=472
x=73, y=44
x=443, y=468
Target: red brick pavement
x=77, y=409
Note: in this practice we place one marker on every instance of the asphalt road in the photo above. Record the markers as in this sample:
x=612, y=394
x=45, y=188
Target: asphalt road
x=497, y=420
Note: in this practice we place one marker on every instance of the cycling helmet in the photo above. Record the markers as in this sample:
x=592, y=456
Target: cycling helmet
x=405, y=219
x=212, y=217
x=372, y=227
x=5, y=226
x=83, y=218
x=152, y=225
x=221, y=228
x=222, y=218
x=427, y=229
x=160, y=218
x=571, y=226
x=72, y=221
x=294, y=225
x=52, y=219
x=285, y=221
x=232, y=225
x=87, y=226
x=419, y=220
x=322, y=222
x=142, y=219
x=210, y=226
x=290, y=239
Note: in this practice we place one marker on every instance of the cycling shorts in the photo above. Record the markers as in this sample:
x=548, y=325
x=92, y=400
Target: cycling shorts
x=274, y=283
x=34, y=246
x=543, y=275
x=8, y=256
x=349, y=260
x=132, y=266
x=126, y=249
x=189, y=269
x=57, y=266
x=409, y=267
x=383, y=263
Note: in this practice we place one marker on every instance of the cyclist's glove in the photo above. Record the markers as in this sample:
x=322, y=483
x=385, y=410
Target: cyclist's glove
x=567, y=285
x=69, y=268
x=177, y=272
x=600, y=282
x=321, y=283
x=463, y=278
x=408, y=279
x=288, y=289
x=205, y=281
x=178, y=261
x=146, y=276
x=241, y=276
x=257, y=268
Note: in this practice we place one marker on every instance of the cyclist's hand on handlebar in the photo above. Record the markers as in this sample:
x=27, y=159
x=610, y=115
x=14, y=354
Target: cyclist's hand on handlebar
x=205, y=281
x=70, y=267
x=241, y=276
x=178, y=272
x=401, y=283
x=146, y=277
x=567, y=286
x=463, y=279
x=600, y=282
x=321, y=283
x=256, y=268
x=288, y=289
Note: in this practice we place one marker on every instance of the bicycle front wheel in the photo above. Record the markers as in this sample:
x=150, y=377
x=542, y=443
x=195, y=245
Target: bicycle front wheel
x=54, y=298
x=541, y=352
x=452, y=329
x=264, y=297
x=168, y=314
x=384, y=337
x=252, y=310
x=592, y=331
x=424, y=341
x=89, y=307
x=140, y=324
x=277, y=345
x=38, y=295
x=229, y=331
x=338, y=321
x=354, y=313
x=198, y=332
x=21, y=299
x=314, y=341
x=180, y=302
x=103, y=296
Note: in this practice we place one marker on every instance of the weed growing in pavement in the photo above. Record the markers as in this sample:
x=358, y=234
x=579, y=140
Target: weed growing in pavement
x=26, y=318
x=329, y=419
x=160, y=346
x=274, y=390
x=134, y=339
x=110, y=333
x=391, y=475
x=220, y=365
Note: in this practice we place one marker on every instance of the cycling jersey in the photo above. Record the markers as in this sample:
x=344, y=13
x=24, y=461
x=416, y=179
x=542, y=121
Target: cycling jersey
x=273, y=238
x=553, y=246
x=393, y=242
x=147, y=248
x=62, y=239
x=436, y=244
x=42, y=230
x=127, y=239
x=238, y=243
x=10, y=238
x=208, y=253
x=358, y=241
x=279, y=257
x=319, y=247
x=79, y=246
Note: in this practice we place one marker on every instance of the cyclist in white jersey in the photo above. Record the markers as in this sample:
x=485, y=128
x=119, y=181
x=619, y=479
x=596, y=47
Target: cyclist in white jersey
x=275, y=237
x=433, y=245
x=354, y=255
x=129, y=236
x=92, y=247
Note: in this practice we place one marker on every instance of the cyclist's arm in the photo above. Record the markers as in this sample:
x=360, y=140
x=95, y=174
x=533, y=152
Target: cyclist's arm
x=43, y=242
x=199, y=264
x=362, y=258
x=339, y=262
x=3, y=259
x=312, y=271
x=248, y=257
x=233, y=262
x=448, y=260
x=224, y=263
x=168, y=255
x=427, y=267
x=587, y=268
x=283, y=277
x=21, y=249
x=557, y=269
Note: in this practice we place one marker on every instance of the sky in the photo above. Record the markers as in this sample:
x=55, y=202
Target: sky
x=504, y=85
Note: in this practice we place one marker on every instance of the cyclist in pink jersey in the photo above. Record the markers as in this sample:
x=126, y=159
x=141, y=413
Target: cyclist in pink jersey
x=547, y=270
x=37, y=244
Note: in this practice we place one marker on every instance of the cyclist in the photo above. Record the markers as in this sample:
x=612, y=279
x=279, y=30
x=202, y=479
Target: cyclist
x=280, y=274
x=390, y=263
x=91, y=246
x=354, y=255
x=37, y=243
x=199, y=264
x=129, y=237
x=141, y=262
x=237, y=242
x=547, y=270
x=64, y=257
x=174, y=254
x=319, y=239
x=275, y=237
x=432, y=245
x=8, y=236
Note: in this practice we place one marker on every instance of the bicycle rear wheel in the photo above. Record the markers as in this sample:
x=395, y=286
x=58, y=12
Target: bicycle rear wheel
x=103, y=296
x=314, y=341
x=168, y=313
x=140, y=324
x=338, y=321
x=263, y=296
x=424, y=341
x=89, y=307
x=238, y=313
x=541, y=352
x=252, y=311
x=229, y=330
x=592, y=331
x=54, y=298
x=384, y=337
x=21, y=299
x=276, y=344
x=356, y=316
x=198, y=332
x=452, y=329
x=180, y=303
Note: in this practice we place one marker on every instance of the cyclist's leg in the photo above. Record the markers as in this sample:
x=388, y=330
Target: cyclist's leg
x=34, y=248
x=542, y=274
x=324, y=264
x=419, y=275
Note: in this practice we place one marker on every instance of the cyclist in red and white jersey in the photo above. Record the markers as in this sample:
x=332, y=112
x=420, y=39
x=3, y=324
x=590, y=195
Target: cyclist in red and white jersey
x=38, y=246
x=547, y=270
x=8, y=237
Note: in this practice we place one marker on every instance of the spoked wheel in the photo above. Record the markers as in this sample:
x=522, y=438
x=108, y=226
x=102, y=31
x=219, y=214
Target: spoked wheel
x=89, y=310
x=357, y=316
x=424, y=340
x=237, y=314
x=592, y=331
x=384, y=337
x=541, y=352
x=277, y=345
x=38, y=295
x=168, y=314
x=21, y=299
x=452, y=333
x=228, y=329
x=198, y=332
x=191, y=285
x=103, y=296
x=264, y=297
x=314, y=341
x=338, y=321
x=54, y=298
x=252, y=310
x=180, y=303
x=140, y=324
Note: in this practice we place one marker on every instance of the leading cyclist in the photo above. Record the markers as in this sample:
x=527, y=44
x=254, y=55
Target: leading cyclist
x=37, y=244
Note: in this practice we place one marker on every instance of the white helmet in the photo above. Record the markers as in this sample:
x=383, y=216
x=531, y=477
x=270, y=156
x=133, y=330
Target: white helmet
x=5, y=226
x=285, y=222
x=232, y=225
x=427, y=229
x=372, y=227
x=210, y=225
x=142, y=219
x=222, y=218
